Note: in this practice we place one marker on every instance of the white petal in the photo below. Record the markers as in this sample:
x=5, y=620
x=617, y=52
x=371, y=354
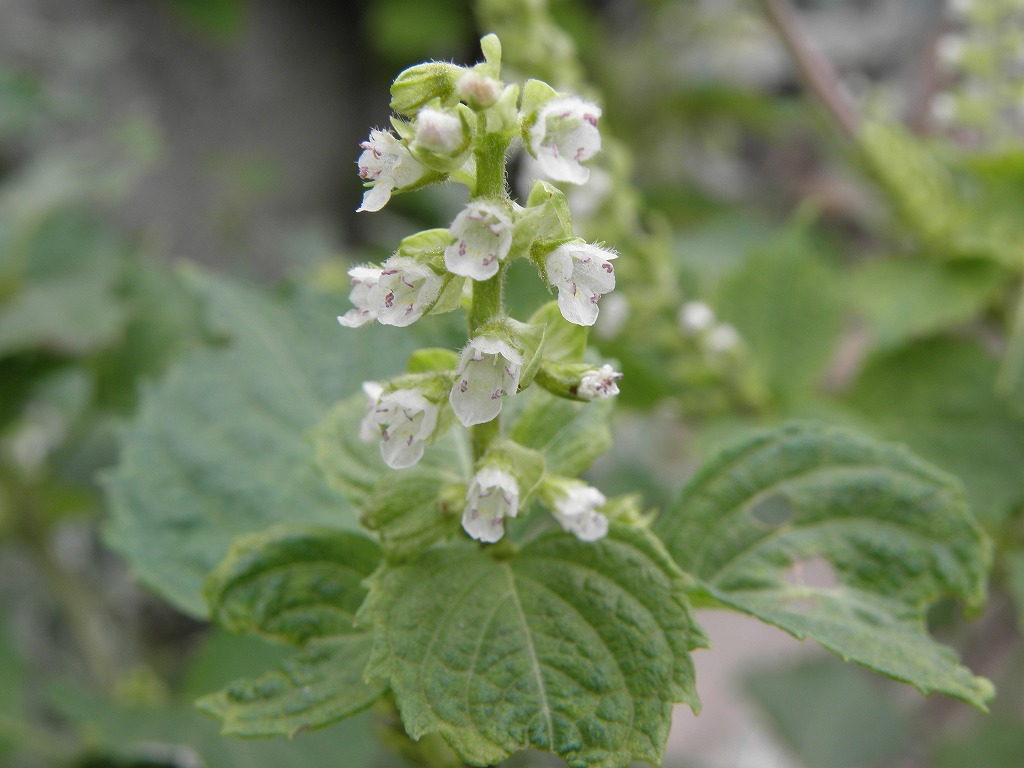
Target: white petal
x=564, y=136
x=355, y=318
x=493, y=495
x=483, y=236
x=489, y=369
x=376, y=197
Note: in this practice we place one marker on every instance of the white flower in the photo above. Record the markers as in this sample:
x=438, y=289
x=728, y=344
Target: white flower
x=483, y=233
x=488, y=370
x=404, y=420
x=476, y=88
x=582, y=273
x=722, y=338
x=439, y=132
x=695, y=317
x=564, y=136
x=405, y=289
x=368, y=430
x=599, y=383
x=576, y=511
x=492, y=496
x=364, y=279
x=950, y=49
x=387, y=165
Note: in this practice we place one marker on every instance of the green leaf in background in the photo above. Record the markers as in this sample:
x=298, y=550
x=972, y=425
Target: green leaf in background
x=177, y=734
x=998, y=744
x=786, y=305
x=838, y=538
x=218, y=448
x=292, y=583
x=219, y=19
x=1015, y=582
x=62, y=272
x=939, y=398
x=570, y=435
x=572, y=647
x=317, y=687
x=823, y=709
x=907, y=298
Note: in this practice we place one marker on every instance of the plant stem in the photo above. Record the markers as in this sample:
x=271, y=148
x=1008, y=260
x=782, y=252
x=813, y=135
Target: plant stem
x=488, y=303
x=79, y=606
x=817, y=73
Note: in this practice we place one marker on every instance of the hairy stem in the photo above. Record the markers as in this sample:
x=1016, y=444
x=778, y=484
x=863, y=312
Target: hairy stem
x=488, y=302
x=817, y=73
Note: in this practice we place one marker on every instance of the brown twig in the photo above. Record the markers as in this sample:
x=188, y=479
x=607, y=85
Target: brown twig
x=816, y=72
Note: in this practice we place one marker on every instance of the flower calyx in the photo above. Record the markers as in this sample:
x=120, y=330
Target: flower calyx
x=578, y=381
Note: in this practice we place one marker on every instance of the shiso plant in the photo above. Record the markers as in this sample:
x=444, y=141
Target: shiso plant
x=494, y=601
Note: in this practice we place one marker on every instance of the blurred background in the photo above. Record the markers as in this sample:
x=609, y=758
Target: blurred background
x=778, y=270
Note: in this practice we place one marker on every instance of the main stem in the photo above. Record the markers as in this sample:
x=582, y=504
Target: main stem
x=487, y=303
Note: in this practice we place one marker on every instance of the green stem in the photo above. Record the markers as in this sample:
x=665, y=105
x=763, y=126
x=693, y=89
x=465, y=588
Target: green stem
x=488, y=301
x=80, y=607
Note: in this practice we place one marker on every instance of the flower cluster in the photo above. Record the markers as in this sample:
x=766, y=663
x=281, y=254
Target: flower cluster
x=456, y=124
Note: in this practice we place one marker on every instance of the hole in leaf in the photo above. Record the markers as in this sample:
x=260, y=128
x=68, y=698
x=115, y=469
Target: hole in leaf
x=815, y=572
x=772, y=511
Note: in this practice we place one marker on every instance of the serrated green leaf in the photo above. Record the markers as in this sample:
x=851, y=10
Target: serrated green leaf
x=892, y=533
x=572, y=647
x=292, y=583
x=218, y=447
x=570, y=435
x=939, y=398
x=403, y=510
x=317, y=687
x=906, y=298
x=785, y=304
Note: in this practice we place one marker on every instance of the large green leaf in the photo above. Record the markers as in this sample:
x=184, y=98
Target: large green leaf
x=835, y=537
x=939, y=398
x=317, y=687
x=218, y=447
x=572, y=647
x=786, y=306
x=292, y=583
x=298, y=584
x=907, y=298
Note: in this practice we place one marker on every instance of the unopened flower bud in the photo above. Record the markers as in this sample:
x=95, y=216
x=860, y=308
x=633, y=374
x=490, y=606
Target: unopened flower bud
x=422, y=84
